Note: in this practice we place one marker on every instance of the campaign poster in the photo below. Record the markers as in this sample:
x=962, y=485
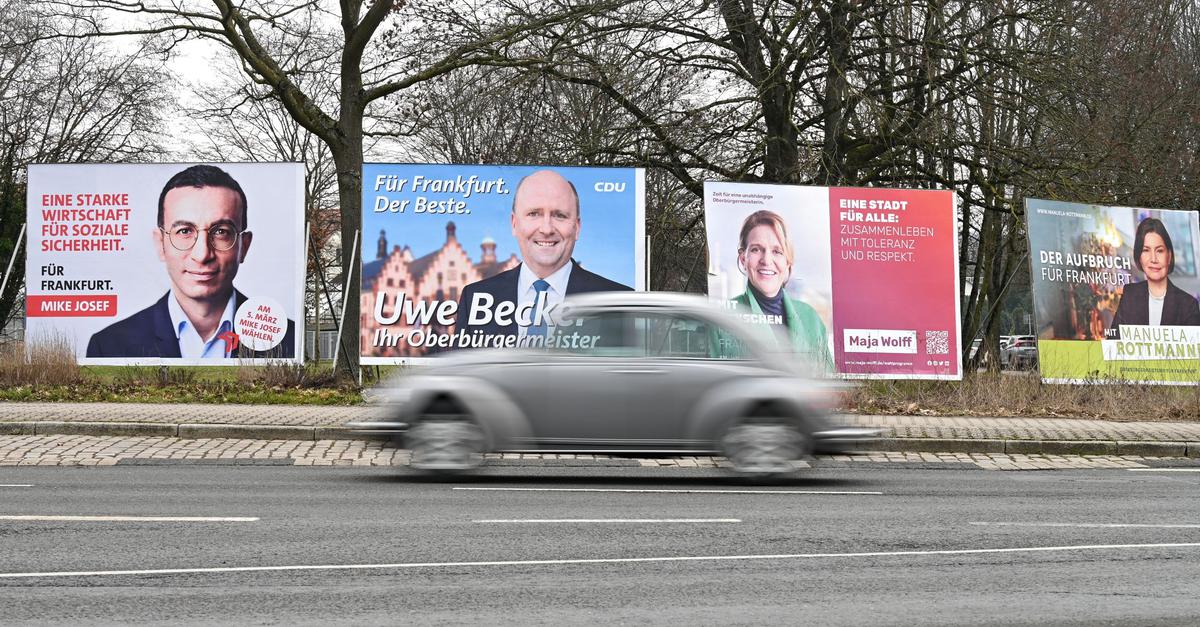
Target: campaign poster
x=1115, y=293
x=167, y=264
x=862, y=281
x=473, y=256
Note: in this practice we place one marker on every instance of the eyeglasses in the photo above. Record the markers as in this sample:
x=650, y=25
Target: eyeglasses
x=220, y=237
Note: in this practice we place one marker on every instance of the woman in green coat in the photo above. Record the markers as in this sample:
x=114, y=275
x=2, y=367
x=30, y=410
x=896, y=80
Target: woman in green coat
x=765, y=256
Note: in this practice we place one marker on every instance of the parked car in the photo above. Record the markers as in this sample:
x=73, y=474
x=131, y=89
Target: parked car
x=1022, y=354
x=661, y=374
x=1006, y=348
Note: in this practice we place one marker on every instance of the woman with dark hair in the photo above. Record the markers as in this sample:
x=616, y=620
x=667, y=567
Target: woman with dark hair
x=1155, y=301
x=765, y=256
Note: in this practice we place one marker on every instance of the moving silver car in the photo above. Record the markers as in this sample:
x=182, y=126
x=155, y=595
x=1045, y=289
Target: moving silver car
x=624, y=373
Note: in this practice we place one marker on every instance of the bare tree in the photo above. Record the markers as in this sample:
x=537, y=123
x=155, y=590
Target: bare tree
x=66, y=100
x=237, y=122
x=981, y=97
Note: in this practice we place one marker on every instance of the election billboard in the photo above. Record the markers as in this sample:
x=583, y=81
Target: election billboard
x=167, y=264
x=1115, y=292
x=472, y=256
x=862, y=281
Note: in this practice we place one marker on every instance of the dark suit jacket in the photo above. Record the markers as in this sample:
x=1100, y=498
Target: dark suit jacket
x=149, y=333
x=503, y=287
x=1179, y=308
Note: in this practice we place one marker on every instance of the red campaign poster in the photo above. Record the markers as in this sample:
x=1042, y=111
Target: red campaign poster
x=895, y=283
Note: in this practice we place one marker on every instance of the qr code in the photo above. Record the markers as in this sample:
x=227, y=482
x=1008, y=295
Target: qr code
x=937, y=342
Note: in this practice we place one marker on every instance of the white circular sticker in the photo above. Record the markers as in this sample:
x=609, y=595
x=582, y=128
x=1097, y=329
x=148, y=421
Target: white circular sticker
x=261, y=323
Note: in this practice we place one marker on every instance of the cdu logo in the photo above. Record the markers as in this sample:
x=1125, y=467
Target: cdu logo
x=604, y=186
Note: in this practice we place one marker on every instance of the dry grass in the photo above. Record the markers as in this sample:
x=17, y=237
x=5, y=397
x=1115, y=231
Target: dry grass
x=47, y=372
x=993, y=394
x=285, y=374
x=157, y=376
x=49, y=362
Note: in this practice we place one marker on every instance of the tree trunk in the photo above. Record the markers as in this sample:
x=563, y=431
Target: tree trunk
x=12, y=216
x=349, y=160
x=834, y=105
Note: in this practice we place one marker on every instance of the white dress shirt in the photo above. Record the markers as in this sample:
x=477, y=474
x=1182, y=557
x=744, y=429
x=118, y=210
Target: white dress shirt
x=191, y=345
x=526, y=294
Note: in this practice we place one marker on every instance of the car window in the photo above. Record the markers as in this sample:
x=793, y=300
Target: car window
x=687, y=337
x=605, y=334
x=638, y=334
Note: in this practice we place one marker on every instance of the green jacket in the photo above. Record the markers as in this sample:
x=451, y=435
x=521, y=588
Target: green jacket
x=804, y=327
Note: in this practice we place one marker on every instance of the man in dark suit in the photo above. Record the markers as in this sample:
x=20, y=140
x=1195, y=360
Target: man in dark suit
x=546, y=223
x=150, y=333
x=202, y=240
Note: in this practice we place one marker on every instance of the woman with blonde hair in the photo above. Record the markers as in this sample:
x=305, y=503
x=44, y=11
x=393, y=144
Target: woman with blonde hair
x=765, y=256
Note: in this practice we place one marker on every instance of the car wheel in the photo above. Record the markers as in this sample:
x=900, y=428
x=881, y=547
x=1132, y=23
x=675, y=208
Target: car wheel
x=445, y=443
x=764, y=449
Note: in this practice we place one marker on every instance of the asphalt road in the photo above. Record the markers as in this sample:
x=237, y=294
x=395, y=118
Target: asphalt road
x=872, y=546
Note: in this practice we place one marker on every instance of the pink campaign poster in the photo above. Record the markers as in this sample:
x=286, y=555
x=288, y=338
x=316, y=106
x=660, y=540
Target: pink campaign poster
x=863, y=282
x=895, y=276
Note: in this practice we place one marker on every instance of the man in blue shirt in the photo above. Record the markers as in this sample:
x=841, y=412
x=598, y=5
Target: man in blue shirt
x=202, y=240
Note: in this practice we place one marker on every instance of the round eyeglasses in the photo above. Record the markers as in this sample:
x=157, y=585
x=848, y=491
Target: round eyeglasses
x=220, y=237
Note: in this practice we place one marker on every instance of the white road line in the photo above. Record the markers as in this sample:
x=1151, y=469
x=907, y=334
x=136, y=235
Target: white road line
x=133, y=518
x=16, y=485
x=1097, y=525
x=649, y=491
x=612, y=520
x=1163, y=469
x=614, y=560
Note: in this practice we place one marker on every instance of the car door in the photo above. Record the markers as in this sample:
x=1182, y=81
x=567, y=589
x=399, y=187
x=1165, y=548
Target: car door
x=682, y=363
x=588, y=365
x=524, y=381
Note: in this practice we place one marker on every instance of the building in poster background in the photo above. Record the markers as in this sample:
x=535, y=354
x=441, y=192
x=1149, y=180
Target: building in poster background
x=864, y=282
x=1115, y=292
x=167, y=264
x=483, y=256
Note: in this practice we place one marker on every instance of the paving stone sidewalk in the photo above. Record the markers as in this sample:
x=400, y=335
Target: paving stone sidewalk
x=312, y=423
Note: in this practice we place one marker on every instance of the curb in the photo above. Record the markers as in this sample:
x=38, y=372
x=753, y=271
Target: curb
x=1145, y=448
x=933, y=445
x=247, y=432
x=315, y=433
x=185, y=431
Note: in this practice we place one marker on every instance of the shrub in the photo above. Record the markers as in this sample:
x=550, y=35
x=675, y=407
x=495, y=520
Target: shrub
x=285, y=374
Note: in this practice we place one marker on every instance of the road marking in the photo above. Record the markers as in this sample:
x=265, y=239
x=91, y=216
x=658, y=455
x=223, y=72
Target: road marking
x=612, y=520
x=134, y=518
x=1099, y=525
x=1163, y=469
x=16, y=485
x=613, y=560
x=650, y=491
